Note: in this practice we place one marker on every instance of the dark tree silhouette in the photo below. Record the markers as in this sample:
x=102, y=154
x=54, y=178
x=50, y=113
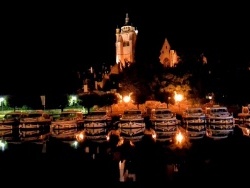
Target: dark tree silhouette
x=15, y=101
x=89, y=100
x=56, y=101
x=108, y=99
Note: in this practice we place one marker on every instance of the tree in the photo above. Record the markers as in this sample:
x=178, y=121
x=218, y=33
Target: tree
x=166, y=84
x=15, y=101
x=108, y=99
x=57, y=101
x=135, y=79
x=89, y=100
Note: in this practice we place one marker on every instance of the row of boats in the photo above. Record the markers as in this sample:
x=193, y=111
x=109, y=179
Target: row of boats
x=215, y=122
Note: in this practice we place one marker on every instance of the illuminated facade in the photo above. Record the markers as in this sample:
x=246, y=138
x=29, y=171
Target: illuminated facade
x=125, y=44
x=125, y=55
x=168, y=57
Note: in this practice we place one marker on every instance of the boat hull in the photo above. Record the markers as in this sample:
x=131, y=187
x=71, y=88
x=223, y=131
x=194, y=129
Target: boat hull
x=132, y=130
x=243, y=122
x=219, y=130
x=194, y=127
x=71, y=124
x=165, y=129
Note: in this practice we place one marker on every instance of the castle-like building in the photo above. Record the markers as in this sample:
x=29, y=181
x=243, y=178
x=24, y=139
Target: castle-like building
x=168, y=57
x=125, y=44
x=126, y=37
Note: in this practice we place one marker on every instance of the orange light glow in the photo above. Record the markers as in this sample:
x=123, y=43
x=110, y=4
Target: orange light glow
x=179, y=138
x=178, y=97
x=80, y=136
x=126, y=99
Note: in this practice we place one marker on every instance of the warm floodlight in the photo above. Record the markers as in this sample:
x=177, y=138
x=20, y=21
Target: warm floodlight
x=126, y=99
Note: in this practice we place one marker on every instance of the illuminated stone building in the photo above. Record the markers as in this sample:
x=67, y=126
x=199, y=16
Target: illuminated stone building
x=168, y=57
x=125, y=55
x=125, y=52
x=125, y=44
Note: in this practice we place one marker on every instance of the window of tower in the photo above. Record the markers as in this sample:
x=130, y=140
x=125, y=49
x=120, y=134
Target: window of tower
x=125, y=43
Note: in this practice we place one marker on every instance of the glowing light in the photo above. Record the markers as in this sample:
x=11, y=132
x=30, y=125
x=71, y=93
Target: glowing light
x=75, y=144
x=3, y=144
x=179, y=138
x=121, y=141
x=154, y=136
x=107, y=137
x=126, y=99
x=1, y=99
x=178, y=97
x=80, y=136
x=72, y=100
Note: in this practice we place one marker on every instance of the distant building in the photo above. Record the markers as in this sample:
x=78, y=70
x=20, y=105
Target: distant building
x=168, y=57
x=125, y=44
x=125, y=53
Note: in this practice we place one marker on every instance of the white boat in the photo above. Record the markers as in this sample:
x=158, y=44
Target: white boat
x=165, y=123
x=220, y=122
x=194, y=123
x=69, y=119
x=64, y=135
x=10, y=135
x=16, y=136
x=38, y=119
x=34, y=136
x=11, y=120
x=243, y=120
x=96, y=124
x=132, y=125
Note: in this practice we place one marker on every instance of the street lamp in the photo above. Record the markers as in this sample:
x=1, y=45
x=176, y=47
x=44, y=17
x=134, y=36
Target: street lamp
x=126, y=99
x=72, y=100
x=178, y=98
x=210, y=97
x=1, y=102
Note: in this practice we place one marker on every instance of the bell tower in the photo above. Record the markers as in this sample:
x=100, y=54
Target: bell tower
x=125, y=44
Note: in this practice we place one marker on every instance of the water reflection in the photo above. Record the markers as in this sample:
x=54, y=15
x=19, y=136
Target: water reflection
x=203, y=159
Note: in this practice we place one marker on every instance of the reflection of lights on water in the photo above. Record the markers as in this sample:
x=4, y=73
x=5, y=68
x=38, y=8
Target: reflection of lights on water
x=179, y=138
x=3, y=145
x=154, y=136
x=131, y=143
x=121, y=141
x=246, y=131
x=107, y=137
x=80, y=136
x=75, y=144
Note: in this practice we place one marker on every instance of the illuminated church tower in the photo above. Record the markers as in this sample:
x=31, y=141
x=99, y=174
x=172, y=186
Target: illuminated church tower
x=125, y=44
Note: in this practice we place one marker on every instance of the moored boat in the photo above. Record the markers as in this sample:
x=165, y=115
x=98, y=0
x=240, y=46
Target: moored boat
x=164, y=122
x=37, y=119
x=193, y=123
x=96, y=124
x=132, y=125
x=243, y=120
x=68, y=119
x=12, y=120
x=220, y=122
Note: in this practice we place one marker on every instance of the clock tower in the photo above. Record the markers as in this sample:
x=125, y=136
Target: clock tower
x=125, y=44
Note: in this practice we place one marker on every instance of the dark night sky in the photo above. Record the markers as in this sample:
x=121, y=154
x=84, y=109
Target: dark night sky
x=46, y=42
